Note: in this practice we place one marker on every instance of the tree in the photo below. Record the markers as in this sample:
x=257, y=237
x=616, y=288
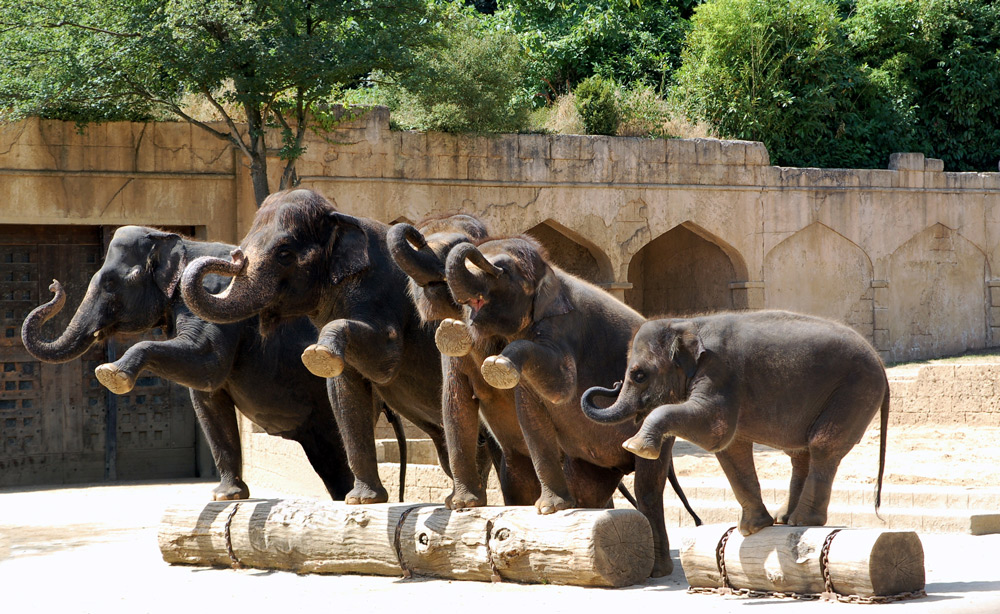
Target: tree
x=275, y=61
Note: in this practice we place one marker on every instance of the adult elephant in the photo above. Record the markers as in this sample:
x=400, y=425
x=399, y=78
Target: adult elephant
x=794, y=382
x=561, y=336
x=302, y=257
x=225, y=366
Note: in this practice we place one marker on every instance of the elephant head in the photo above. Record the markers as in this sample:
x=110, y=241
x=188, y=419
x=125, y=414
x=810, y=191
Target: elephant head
x=422, y=255
x=662, y=361
x=131, y=293
x=506, y=284
x=297, y=247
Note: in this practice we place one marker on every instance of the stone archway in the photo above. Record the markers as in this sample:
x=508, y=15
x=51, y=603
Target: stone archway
x=820, y=272
x=571, y=252
x=682, y=272
x=937, y=296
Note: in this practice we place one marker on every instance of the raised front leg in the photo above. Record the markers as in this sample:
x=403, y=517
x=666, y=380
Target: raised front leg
x=540, y=436
x=374, y=350
x=461, y=428
x=707, y=424
x=737, y=463
x=193, y=362
x=217, y=416
x=548, y=369
x=351, y=399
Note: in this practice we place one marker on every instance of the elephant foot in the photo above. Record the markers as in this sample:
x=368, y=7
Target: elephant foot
x=362, y=494
x=663, y=566
x=461, y=499
x=453, y=338
x=806, y=519
x=643, y=447
x=231, y=491
x=114, y=379
x=321, y=361
x=752, y=522
x=550, y=503
x=500, y=372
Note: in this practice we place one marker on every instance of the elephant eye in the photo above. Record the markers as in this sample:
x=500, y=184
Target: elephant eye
x=285, y=256
x=637, y=375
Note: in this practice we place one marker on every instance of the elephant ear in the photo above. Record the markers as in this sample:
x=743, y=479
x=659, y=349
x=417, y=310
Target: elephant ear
x=550, y=297
x=686, y=349
x=166, y=260
x=348, y=247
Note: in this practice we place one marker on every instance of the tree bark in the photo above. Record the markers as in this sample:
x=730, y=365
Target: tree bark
x=864, y=562
x=579, y=547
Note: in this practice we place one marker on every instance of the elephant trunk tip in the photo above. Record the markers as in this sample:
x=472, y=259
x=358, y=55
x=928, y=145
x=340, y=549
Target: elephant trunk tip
x=617, y=412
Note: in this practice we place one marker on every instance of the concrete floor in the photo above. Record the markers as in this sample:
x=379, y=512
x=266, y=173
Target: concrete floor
x=94, y=549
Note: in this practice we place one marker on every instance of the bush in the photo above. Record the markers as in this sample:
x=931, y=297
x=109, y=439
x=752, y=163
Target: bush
x=779, y=71
x=597, y=105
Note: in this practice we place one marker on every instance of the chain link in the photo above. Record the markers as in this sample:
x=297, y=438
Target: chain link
x=229, y=538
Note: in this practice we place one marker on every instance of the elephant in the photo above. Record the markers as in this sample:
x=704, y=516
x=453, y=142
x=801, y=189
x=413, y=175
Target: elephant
x=466, y=397
x=301, y=257
x=561, y=335
x=227, y=365
x=798, y=383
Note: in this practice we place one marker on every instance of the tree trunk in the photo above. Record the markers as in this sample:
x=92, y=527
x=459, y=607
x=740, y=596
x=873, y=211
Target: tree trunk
x=864, y=562
x=579, y=547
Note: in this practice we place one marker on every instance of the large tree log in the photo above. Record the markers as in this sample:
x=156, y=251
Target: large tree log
x=579, y=547
x=863, y=562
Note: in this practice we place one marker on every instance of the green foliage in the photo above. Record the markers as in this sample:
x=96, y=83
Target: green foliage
x=938, y=61
x=624, y=40
x=471, y=82
x=92, y=60
x=778, y=71
x=597, y=105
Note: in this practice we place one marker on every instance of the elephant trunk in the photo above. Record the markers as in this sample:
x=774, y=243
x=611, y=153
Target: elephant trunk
x=71, y=344
x=242, y=299
x=464, y=283
x=410, y=252
x=617, y=412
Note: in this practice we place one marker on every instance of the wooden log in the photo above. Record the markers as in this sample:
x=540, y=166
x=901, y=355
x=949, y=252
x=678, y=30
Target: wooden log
x=863, y=562
x=578, y=547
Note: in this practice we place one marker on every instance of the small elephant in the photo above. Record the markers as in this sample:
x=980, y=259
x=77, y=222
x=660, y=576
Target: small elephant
x=224, y=365
x=798, y=383
x=562, y=335
x=302, y=257
x=466, y=397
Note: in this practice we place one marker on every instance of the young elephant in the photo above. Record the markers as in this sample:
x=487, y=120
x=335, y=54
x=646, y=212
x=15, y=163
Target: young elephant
x=224, y=365
x=466, y=397
x=562, y=336
x=798, y=383
x=302, y=257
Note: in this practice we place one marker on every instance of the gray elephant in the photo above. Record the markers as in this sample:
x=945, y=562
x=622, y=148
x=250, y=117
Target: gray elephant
x=227, y=365
x=561, y=336
x=798, y=383
x=302, y=257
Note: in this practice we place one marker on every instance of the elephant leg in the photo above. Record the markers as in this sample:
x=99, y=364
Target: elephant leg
x=650, y=478
x=321, y=442
x=814, y=501
x=353, y=407
x=178, y=360
x=550, y=371
x=518, y=481
x=540, y=436
x=461, y=429
x=374, y=351
x=737, y=463
x=591, y=486
x=706, y=424
x=216, y=414
x=800, y=469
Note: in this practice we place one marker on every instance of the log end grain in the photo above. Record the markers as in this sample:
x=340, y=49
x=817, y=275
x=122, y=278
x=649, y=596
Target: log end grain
x=623, y=548
x=896, y=563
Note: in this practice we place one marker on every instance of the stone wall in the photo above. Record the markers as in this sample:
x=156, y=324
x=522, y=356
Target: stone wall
x=907, y=255
x=947, y=394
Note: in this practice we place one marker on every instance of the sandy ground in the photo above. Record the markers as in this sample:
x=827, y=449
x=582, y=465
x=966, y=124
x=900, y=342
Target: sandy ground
x=94, y=550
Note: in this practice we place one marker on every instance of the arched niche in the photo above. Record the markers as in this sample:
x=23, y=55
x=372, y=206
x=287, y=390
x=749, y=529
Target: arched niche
x=571, y=252
x=820, y=272
x=684, y=271
x=937, y=296
x=401, y=220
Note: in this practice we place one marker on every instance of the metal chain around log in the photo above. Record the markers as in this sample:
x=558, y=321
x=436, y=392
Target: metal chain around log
x=824, y=563
x=720, y=560
x=229, y=538
x=397, y=542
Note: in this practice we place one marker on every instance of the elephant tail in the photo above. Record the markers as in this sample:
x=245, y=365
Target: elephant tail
x=883, y=427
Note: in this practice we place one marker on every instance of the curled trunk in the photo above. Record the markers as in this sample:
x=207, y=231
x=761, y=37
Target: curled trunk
x=617, y=412
x=410, y=252
x=242, y=299
x=71, y=344
x=464, y=283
